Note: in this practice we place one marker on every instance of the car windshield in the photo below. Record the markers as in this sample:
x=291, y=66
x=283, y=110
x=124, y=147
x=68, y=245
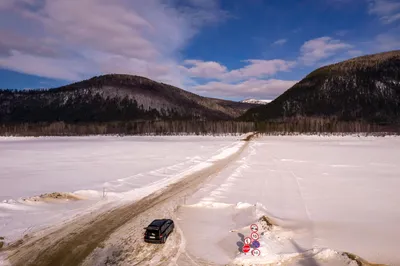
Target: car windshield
x=152, y=232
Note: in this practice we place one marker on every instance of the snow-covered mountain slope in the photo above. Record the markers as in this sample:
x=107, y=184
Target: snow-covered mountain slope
x=255, y=101
x=113, y=97
x=364, y=88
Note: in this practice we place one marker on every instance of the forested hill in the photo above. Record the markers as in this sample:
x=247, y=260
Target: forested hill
x=365, y=89
x=111, y=98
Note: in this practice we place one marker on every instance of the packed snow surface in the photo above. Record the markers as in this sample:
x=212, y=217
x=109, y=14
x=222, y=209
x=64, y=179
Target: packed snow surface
x=327, y=195
x=103, y=171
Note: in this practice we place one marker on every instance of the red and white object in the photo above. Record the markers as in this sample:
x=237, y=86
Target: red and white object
x=254, y=228
x=255, y=236
x=246, y=248
x=256, y=252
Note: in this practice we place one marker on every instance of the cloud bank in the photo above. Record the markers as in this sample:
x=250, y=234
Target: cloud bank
x=76, y=39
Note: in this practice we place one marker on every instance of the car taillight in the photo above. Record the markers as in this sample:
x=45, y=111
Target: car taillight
x=160, y=236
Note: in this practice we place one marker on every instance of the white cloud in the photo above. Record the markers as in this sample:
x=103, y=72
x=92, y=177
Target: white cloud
x=254, y=68
x=76, y=39
x=246, y=82
x=14, y=41
x=129, y=36
x=280, y=42
x=259, y=68
x=70, y=69
x=387, y=10
x=314, y=50
x=392, y=18
x=204, y=69
x=252, y=88
x=382, y=7
x=199, y=12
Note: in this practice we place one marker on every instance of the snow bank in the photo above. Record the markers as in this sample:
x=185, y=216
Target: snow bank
x=216, y=244
x=278, y=247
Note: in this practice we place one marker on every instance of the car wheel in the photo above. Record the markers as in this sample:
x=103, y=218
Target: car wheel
x=164, y=239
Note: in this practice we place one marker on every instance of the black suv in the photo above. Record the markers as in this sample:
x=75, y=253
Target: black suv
x=158, y=231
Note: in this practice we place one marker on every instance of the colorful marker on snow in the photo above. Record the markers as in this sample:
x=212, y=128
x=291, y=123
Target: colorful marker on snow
x=256, y=252
x=246, y=248
x=255, y=244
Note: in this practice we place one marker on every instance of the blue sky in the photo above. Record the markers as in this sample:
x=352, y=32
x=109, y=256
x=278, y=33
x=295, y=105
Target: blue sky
x=231, y=49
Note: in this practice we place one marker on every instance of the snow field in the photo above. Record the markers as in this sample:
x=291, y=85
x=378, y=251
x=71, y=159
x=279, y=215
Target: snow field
x=328, y=195
x=105, y=171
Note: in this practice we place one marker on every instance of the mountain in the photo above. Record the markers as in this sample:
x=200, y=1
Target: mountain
x=365, y=88
x=113, y=98
x=255, y=101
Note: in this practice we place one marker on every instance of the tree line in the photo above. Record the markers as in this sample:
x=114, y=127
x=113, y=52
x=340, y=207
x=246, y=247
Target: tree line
x=181, y=127
x=322, y=125
x=127, y=128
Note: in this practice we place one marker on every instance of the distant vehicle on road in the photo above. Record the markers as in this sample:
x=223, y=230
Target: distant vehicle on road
x=158, y=231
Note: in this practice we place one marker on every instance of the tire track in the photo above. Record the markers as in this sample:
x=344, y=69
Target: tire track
x=75, y=241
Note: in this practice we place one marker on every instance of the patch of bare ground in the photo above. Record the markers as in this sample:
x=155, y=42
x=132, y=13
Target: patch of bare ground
x=115, y=234
x=53, y=197
x=360, y=261
x=267, y=222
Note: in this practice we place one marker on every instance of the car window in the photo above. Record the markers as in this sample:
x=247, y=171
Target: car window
x=152, y=232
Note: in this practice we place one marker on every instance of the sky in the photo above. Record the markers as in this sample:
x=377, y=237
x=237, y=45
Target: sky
x=231, y=49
